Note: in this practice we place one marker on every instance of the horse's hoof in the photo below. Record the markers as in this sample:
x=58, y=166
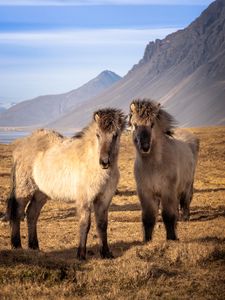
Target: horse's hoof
x=16, y=247
x=16, y=243
x=33, y=246
x=90, y=252
x=184, y=218
x=147, y=241
x=81, y=255
x=106, y=255
x=173, y=239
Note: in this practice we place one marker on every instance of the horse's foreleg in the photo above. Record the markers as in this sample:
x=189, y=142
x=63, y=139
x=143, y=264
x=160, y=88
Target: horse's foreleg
x=84, y=223
x=149, y=212
x=101, y=217
x=170, y=216
x=148, y=220
x=33, y=212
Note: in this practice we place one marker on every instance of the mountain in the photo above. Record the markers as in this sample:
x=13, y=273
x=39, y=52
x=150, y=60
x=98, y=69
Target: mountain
x=44, y=109
x=185, y=72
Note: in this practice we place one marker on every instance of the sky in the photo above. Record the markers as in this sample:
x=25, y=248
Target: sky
x=54, y=46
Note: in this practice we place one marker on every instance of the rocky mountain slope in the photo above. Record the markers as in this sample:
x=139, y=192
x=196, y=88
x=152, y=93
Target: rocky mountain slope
x=44, y=109
x=185, y=72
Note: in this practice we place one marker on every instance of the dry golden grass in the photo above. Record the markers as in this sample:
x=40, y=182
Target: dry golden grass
x=193, y=268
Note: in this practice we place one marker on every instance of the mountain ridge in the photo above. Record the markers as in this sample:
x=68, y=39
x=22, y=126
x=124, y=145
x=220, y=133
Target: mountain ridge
x=46, y=108
x=185, y=71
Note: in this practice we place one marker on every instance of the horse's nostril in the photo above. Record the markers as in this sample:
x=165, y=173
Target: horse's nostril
x=104, y=162
x=145, y=147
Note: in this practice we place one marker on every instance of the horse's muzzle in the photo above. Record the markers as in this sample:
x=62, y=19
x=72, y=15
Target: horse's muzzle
x=145, y=148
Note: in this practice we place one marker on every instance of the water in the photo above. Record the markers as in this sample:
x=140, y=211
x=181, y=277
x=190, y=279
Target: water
x=6, y=137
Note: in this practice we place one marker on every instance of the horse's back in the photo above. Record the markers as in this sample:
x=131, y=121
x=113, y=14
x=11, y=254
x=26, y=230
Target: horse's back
x=186, y=154
x=39, y=140
x=189, y=138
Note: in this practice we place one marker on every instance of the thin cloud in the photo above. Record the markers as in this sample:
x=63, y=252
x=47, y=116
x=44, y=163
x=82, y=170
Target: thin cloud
x=84, y=37
x=103, y=2
x=35, y=63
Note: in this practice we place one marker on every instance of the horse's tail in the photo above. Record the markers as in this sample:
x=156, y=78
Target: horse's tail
x=197, y=148
x=194, y=144
x=12, y=205
x=197, y=144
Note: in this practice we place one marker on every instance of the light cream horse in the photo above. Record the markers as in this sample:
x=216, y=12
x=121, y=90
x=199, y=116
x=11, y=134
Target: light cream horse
x=164, y=166
x=83, y=169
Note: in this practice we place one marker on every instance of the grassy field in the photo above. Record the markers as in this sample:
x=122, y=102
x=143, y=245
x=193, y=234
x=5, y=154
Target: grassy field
x=193, y=268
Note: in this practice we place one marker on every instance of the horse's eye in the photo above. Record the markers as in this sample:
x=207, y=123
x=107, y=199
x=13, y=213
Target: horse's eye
x=135, y=125
x=98, y=136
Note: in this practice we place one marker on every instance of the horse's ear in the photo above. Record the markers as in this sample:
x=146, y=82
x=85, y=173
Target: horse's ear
x=132, y=107
x=96, y=117
x=158, y=106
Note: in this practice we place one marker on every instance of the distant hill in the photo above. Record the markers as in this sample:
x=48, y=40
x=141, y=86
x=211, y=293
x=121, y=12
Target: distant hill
x=44, y=109
x=185, y=72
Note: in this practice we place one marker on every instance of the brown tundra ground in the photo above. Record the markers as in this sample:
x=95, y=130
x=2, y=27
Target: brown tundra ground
x=193, y=268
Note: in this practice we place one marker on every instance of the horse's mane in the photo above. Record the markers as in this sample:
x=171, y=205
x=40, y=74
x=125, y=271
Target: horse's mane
x=110, y=119
x=166, y=122
x=150, y=111
x=145, y=109
x=80, y=134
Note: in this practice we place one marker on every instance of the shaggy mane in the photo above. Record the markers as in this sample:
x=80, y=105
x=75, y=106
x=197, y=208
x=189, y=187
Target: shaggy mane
x=79, y=134
x=149, y=110
x=110, y=119
x=166, y=122
x=145, y=109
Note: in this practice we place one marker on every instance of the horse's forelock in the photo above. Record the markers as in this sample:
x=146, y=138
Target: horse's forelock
x=110, y=120
x=148, y=110
x=145, y=110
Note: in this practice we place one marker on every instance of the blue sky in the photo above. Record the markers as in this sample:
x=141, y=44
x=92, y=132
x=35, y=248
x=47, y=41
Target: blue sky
x=53, y=46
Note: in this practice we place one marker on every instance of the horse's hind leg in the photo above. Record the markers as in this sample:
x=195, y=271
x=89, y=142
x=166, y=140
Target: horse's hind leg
x=16, y=214
x=185, y=201
x=101, y=217
x=84, y=224
x=33, y=212
x=15, y=233
x=169, y=215
x=15, y=208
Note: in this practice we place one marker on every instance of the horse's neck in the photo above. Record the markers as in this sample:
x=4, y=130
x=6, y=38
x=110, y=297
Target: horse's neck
x=89, y=142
